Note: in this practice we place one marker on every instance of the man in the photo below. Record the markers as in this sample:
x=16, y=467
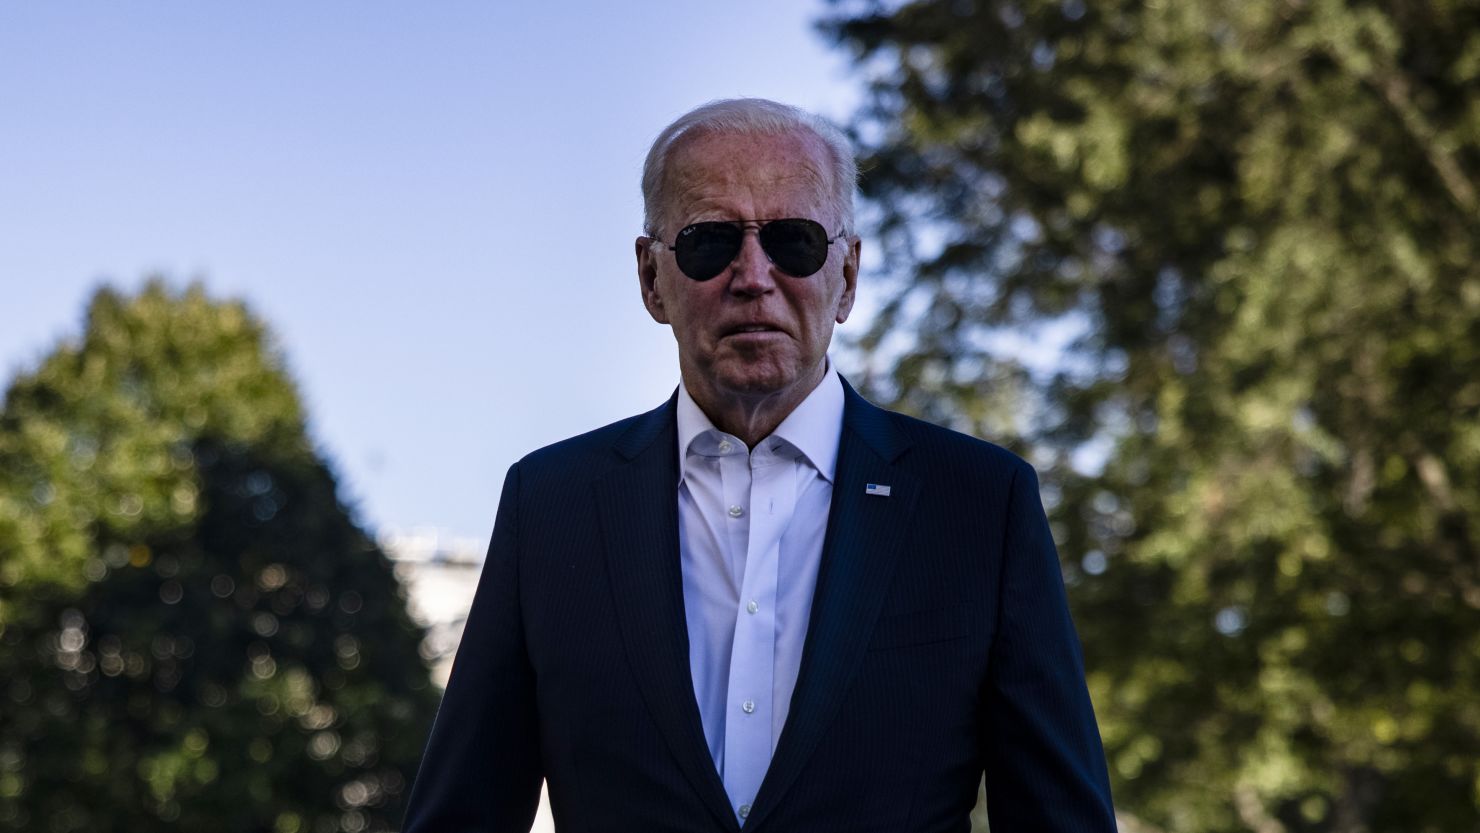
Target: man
x=767, y=603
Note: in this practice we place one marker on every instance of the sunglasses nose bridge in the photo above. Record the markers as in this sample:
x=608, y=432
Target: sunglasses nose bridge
x=749, y=255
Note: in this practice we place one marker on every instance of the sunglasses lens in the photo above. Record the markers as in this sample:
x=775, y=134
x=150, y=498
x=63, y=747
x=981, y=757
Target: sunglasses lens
x=703, y=250
x=797, y=247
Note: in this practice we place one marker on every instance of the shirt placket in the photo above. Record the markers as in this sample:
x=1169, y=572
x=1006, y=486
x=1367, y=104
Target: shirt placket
x=749, y=740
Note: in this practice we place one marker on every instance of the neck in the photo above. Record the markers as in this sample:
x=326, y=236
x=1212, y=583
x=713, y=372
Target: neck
x=752, y=417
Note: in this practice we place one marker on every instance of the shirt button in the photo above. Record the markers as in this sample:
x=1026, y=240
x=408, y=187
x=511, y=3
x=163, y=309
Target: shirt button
x=744, y=811
x=724, y=446
x=752, y=607
x=736, y=511
x=748, y=706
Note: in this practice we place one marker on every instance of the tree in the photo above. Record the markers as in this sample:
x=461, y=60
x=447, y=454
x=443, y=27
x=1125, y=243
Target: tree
x=1255, y=226
x=194, y=634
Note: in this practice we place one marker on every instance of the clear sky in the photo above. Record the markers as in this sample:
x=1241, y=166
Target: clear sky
x=432, y=204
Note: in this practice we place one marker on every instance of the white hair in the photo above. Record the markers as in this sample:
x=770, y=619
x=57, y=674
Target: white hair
x=755, y=117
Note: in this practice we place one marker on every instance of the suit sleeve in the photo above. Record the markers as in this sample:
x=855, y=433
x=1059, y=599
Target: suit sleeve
x=481, y=770
x=1045, y=767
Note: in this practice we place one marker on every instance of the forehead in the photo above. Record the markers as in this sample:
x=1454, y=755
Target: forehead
x=743, y=176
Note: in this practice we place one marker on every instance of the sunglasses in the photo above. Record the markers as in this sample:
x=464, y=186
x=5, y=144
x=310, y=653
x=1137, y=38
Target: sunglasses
x=796, y=246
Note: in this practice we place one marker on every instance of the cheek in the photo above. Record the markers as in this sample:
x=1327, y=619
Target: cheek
x=831, y=303
x=675, y=300
x=689, y=316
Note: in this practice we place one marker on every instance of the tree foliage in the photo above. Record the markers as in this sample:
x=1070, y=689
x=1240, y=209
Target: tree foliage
x=194, y=634
x=1255, y=228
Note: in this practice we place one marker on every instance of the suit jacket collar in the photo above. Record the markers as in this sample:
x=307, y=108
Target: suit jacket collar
x=637, y=502
x=638, y=506
x=865, y=536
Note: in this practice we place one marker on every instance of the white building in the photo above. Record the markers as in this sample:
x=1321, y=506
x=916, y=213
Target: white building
x=440, y=573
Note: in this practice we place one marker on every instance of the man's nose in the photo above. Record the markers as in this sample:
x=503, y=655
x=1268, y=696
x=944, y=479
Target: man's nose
x=750, y=271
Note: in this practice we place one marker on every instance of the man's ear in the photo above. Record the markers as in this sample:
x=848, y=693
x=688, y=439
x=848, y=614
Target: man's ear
x=647, y=277
x=850, y=279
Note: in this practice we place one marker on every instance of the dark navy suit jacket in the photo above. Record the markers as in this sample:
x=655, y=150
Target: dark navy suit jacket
x=940, y=646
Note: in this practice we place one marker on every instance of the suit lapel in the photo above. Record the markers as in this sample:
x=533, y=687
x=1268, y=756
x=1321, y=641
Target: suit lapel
x=638, y=506
x=865, y=536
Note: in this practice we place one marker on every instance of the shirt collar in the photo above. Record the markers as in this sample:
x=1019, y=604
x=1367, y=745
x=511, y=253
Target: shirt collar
x=814, y=427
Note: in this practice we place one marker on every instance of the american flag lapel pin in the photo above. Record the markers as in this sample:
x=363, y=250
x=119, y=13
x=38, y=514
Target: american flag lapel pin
x=876, y=489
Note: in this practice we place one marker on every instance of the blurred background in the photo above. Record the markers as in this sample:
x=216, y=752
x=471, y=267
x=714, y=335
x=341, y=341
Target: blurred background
x=287, y=289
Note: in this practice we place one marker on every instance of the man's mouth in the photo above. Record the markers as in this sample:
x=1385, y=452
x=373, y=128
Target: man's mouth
x=752, y=328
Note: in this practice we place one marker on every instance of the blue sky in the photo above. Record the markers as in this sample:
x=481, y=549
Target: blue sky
x=433, y=204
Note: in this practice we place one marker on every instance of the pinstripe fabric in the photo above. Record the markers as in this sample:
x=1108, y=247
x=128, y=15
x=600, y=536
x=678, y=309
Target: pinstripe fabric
x=639, y=519
x=939, y=646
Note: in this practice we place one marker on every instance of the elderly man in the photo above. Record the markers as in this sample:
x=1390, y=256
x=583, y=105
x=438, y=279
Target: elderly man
x=766, y=604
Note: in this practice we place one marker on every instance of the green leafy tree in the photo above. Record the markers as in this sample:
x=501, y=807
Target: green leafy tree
x=1254, y=230
x=194, y=634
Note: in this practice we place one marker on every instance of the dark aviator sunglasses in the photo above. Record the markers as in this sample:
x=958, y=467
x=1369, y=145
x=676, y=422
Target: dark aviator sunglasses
x=796, y=246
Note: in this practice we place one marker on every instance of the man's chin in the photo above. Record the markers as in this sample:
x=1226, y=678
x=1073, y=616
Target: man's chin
x=753, y=380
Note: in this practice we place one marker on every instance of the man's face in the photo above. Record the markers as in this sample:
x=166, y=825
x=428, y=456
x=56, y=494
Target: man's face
x=753, y=331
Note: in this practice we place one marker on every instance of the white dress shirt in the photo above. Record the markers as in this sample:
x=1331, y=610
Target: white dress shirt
x=750, y=530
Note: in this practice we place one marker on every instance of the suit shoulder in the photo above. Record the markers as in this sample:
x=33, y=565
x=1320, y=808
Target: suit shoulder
x=594, y=447
x=948, y=449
